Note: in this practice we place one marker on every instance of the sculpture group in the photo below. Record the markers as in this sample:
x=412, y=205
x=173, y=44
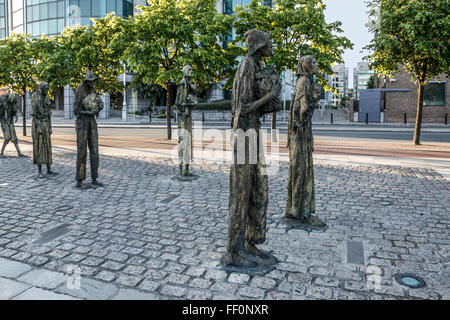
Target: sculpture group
x=255, y=92
x=87, y=105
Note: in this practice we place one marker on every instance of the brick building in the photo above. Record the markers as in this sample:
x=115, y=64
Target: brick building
x=397, y=104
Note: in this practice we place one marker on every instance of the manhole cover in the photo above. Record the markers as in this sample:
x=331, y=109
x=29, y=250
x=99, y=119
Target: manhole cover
x=385, y=203
x=64, y=208
x=410, y=280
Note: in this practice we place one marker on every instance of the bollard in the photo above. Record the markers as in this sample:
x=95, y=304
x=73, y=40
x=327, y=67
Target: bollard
x=203, y=117
x=150, y=117
x=367, y=118
x=264, y=118
x=404, y=118
x=446, y=119
x=331, y=118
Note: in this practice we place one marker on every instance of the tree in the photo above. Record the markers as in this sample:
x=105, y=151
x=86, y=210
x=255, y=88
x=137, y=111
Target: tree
x=413, y=34
x=18, y=68
x=55, y=64
x=371, y=82
x=298, y=29
x=169, y=34
x=98, y=48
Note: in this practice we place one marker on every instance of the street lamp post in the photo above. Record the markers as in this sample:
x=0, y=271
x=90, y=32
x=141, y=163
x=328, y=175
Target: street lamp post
x=124, y=107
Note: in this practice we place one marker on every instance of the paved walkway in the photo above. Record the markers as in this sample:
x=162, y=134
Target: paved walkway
x=146, y=236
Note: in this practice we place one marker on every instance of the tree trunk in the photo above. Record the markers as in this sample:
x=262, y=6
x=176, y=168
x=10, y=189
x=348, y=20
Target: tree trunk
x=168, y=112
x=416, y=140
x=24, y=113
x=274, y=120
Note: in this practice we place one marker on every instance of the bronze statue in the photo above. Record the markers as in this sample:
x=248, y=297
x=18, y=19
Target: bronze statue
x=41, y=128
x=300, y=200
x=248, y=180
x=87, y=105
x=8, y=111
x=184, y=103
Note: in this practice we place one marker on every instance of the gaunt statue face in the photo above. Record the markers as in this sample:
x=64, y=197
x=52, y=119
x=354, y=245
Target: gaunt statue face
x=187, y=70
x=45, y=89
x=267, y=50
x=314, y=67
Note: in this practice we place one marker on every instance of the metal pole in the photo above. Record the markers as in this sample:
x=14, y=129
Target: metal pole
x=367, y=118
x=203, y=117
x=134, y=105
x=124, y=107
x=284, y=98
x=446, y=118
x=331, y=118
x=404, y=118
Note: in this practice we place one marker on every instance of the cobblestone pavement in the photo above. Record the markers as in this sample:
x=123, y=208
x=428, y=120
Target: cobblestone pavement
x=146, y=236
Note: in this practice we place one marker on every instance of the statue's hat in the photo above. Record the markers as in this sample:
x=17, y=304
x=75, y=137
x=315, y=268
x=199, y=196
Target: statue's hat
x=90, y=76
x=256, y=39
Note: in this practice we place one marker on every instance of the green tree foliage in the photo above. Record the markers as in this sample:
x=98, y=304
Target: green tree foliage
x=18, y=67
x=371, y=82
x=414, y=34
x=169, y=34
x=64, y=59
x=98, y=48
x=298, y=28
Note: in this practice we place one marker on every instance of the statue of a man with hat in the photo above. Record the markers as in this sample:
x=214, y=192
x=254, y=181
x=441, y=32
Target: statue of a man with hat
x=87, y=105
x=248, y=177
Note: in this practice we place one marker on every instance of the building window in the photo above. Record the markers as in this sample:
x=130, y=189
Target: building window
x=228, y=6
x=435, y=94
x=3, y=21
x=44, y=17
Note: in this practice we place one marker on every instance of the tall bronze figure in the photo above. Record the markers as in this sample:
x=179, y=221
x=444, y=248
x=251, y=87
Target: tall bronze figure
x=248, y=180
x=301, y=200
x=8, y=111
x=184, y=102
x=87, y=105
x=41, y=128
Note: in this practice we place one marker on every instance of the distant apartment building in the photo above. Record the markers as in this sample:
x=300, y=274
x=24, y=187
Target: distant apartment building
x=361, y=76
x=339, y=81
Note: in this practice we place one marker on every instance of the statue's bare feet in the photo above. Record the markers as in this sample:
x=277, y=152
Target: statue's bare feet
x=79, y=184
x=96, y=183
x=50, y=172
x=252, y=249
x=21, y=155
x=314, y=221
x=40, y=176
x=235, y=260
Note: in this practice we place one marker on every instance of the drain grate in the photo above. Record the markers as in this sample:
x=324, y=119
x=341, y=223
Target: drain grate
x=54, y=233
x=355, y=252
x=385, y=203
x=169, y=199
x=410, y=280
x=64, y=208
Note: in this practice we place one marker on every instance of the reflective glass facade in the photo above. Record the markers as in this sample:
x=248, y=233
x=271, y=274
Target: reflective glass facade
x=45, y=17
x=37, y=17
x=98, y=8
x=17, y=18
x=3, y=19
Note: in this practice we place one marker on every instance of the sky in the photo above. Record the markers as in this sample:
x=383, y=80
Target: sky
x=352, y=14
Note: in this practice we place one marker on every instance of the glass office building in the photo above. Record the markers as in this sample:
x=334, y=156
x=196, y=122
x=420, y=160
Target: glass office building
x=3, y=18
x=37, y=17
